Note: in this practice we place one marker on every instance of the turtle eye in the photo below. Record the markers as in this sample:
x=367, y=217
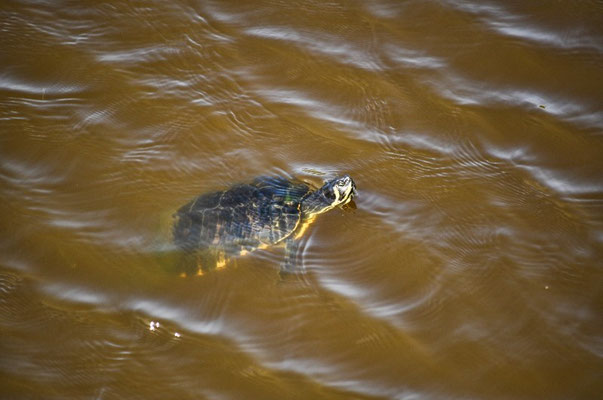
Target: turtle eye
x=341, y=183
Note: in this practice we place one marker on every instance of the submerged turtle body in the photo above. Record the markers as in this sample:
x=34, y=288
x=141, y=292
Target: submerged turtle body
x=246, y=217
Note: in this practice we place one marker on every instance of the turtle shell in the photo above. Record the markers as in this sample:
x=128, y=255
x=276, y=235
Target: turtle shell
x=242, y=218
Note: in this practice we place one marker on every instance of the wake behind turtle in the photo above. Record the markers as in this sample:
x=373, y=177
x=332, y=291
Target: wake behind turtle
x=270, y=210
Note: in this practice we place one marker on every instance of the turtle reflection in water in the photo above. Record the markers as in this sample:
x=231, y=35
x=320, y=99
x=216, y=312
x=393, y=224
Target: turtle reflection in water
x=268, y=211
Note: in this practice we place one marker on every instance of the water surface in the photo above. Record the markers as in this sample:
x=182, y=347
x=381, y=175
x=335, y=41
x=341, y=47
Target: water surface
x=470, y=267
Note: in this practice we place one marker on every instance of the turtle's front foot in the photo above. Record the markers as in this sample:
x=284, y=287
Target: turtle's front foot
x=288, y=269
x=291, y=264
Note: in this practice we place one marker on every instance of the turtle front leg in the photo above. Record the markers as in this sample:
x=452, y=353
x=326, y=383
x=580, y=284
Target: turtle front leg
x=290, y=265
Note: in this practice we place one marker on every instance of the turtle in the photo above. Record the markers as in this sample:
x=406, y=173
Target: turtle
x=268, y=211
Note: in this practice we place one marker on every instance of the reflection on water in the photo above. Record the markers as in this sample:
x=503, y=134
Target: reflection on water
x=469, y=268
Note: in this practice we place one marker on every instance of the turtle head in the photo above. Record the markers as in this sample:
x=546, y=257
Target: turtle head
x=339, y=191
x=333, y=193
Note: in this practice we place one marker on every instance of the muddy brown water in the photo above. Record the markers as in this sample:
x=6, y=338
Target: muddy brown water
x=470, y=268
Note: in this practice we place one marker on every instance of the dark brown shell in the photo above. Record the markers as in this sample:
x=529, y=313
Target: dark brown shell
x=242, y=218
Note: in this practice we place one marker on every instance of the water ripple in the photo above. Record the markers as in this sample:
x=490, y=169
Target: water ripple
x=467, y=267
x=333, y=47
x=41, y=89
x=503, y=21
x=470, y=92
